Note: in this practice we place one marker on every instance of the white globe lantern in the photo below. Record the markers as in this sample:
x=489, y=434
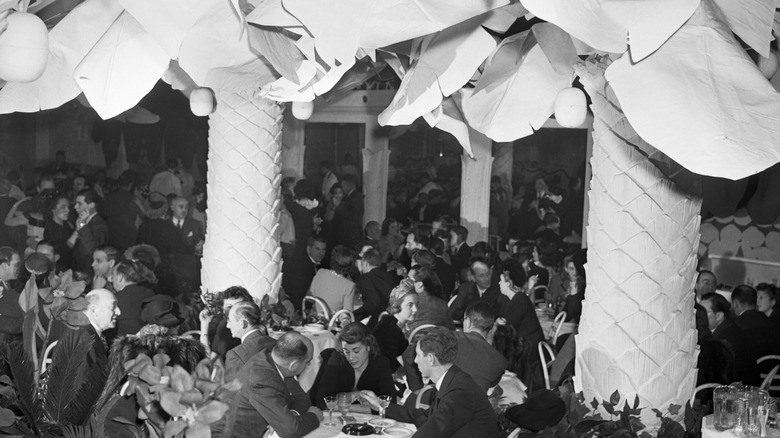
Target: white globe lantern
x=768, y=66
x=201, y=102
x=24, y=48
x=302, y=110
x=571, y=107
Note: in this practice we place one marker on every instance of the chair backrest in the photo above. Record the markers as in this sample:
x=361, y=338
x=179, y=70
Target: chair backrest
x=542, y=348
x=193, y=333
x=418, y=328
x=539, y=289
x=317, y=301
x=702, y=387
x=555, y=328
x=334, y=321
x=452, y=300
x=515, y=433
x=46, y=360
x=771, y=380
x=418, y=404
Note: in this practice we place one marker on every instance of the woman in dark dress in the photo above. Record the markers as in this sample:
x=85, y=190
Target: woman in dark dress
x=58, y=230
x=127, y=279
x=390, y=332
x=514, y=305
x=358, y=366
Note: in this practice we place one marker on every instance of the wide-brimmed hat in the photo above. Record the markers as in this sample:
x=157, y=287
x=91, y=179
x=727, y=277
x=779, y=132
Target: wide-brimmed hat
x=163, y=310
x=541, y=409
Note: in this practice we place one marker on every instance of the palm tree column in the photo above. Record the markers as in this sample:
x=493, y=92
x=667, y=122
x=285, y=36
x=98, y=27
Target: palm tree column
x=244, y=174
x=637, y=334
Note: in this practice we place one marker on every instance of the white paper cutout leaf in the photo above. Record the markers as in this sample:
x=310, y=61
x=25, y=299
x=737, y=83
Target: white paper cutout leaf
x=751, y=20
x=335, y=25
x=284, y=90
x=122, y=67
x=272, y=13
x=177, y=78
x=218, y=41
x=69, y=42
x=447, y=61
x=168, y=21
x=584, y=20
x=279, y=49
x=649, y=22
x=557, y=47
x=449, y=118
x=703, y=102
x=500, y=19
x=240, y=78
x=517, y=90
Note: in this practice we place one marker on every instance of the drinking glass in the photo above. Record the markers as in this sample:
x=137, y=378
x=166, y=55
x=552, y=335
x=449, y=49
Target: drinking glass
x=720, y=410
x=384, y=402
x=330, y=402
x=343, y=402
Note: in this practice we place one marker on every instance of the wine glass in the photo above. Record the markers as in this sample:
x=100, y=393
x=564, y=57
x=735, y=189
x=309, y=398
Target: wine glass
x=331, y=404
x=384, y=402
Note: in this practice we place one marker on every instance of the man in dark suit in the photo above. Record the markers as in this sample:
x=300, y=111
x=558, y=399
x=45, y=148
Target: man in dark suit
x=374, y=285
x=11, y=316
x=758, y=329
x=460, y=250
x=444, y=270
x=270, y=395
x=481, y=289
x=476, y=357
x=102, y=311
x=349, y=214
x=91, y=231
x=297, y=275
x=460, y=408
x=245, y=323
x=724, y=329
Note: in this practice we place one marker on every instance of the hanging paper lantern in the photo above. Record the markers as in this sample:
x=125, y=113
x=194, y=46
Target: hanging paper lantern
x=571, y=107
x=24, y=48
x=768, y=66
x=302, y=110
x=201, y=102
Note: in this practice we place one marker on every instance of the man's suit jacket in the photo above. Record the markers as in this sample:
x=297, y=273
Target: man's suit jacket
x=91, y=236
x=349, y=220
x=460, y=410
x=174, y=244
x=297, y=276
x=468, y=293
x=460, y=259
x=447, y=275
x=519, y=313
x=745, y=367
x=375, y=287
x=129, y=301
x=11, y=315
x=240, y=355
x=479, y=360
x=265, y=399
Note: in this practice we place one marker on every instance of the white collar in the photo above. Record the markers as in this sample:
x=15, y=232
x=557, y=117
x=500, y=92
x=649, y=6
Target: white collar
x=441, y=379
x=247, y=334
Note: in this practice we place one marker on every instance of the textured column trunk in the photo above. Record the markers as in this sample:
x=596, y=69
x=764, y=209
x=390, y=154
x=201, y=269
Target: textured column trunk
x=242, y=240
x=637, y=334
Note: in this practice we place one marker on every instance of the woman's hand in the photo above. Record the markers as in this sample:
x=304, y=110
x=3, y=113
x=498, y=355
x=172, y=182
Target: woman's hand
x=371, y=399
x=532, y=282
x=205, y=319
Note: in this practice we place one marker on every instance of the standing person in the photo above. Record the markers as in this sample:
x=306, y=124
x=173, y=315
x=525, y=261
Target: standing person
x=297, y=276
x=244, y=321
x=460, y=410
x=328, y=179
x=11, y=316
x=187, y=237
x=304, y=211
x=349, y=215
x=58, y=229
x=374, y=286
x=499, y=207
x=91, y=231
x=166, y=182
x=271, y=396
x=461, y=251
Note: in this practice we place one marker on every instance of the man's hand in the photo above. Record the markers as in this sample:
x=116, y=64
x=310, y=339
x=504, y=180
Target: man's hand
x=316, y=411
x=371, y=399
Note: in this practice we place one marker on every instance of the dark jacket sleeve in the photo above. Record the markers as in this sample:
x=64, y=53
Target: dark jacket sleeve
x=270, y=402
x=93, y=235
x=332, y=378
x=453, y=411
x=372, y=302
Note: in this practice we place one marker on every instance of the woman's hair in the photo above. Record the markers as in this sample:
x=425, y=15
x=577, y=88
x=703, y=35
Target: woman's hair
x=386, y=225
x=513, y=268
x=146, y=254
x=355, y=332
x=428, y=278
x=577, y=266
x=135, y=272
x=398, y=295
x=769, y=288
x=52, y=204
x=304, y=189
x=342, y=260
x=549, y=254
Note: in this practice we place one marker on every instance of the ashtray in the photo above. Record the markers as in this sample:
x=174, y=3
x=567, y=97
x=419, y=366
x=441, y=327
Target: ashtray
x=358, y=429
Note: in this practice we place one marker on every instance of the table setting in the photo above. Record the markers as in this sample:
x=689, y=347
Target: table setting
x=546, y=318
x=741, y=411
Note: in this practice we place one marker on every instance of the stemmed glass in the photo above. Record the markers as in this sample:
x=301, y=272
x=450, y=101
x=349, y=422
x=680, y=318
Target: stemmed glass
x=384, y=402
x=330, y=402
x=343, y=402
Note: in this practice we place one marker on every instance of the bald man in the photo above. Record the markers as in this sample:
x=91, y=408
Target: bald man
x=270, y=395
x=480, y=289
x=101, y=312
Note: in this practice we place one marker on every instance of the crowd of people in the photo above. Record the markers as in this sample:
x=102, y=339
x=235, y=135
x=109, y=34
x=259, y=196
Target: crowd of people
x=429, y=309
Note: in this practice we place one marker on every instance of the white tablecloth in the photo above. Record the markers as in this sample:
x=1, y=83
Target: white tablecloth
x=708, y=430
x=335, y=432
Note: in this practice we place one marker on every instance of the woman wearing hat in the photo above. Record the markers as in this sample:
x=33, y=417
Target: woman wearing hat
x=390, y=331
x=358, y=366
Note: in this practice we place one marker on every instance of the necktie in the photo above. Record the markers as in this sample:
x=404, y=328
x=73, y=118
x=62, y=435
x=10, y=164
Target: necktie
x=179, y=223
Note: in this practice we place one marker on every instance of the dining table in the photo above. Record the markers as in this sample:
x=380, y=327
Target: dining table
x=397, y=429
x=708, y=430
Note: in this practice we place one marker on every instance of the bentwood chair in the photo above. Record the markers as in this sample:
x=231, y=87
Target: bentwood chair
x=771, y=380
x=324, y=309
x=547, y=357
x=333, y=325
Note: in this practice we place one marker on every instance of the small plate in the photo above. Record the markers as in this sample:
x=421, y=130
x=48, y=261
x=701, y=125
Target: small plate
x=315, y=327
x=358, y=429
x=382, y=423
x=397, y=431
